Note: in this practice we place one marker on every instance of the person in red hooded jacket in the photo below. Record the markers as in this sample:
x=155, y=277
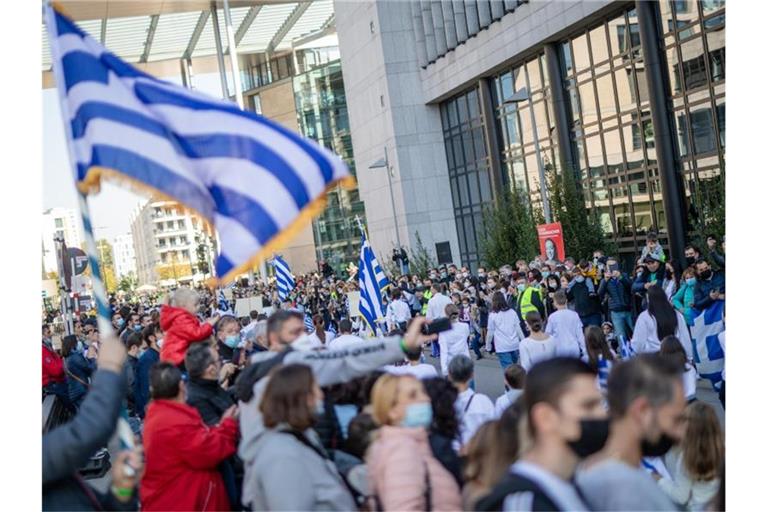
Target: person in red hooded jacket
x=181, y=326
x=53, y=365
x=182, y=453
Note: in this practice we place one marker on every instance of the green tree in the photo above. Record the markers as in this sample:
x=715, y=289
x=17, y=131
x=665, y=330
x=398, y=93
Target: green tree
x=706, y=213
x=127, y=283
x=202, y=258
x=106, y=263
x=509, y=230
x=582, y=231
x=420, y=260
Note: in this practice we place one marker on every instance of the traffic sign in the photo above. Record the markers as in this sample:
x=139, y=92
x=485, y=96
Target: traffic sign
x=79, y=260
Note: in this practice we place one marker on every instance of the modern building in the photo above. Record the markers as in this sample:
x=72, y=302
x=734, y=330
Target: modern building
x=124, y=255
x=169, y=241
x=471, y=98
x=63, y=222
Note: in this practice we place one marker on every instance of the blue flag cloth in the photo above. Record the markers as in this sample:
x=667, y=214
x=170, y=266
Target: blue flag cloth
x=707, y=353
x=255, y=181
x=224, y=306
x=625, y=348
x=603, y=370
x=285, y=282
x=308, y=325
x=372, y=282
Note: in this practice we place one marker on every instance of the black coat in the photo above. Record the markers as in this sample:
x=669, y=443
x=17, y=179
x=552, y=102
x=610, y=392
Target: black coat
x=442, y=449
x=210, y=399
x=586, y=304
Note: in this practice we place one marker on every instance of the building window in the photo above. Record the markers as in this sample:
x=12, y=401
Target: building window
x=185, y=255
x=59, y=223
x=181, y=224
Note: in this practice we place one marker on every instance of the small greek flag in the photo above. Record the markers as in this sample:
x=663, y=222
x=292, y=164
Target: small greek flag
x=707, y=353
x=224, y=305
x=285, y=282
x=603, y=369
x=625, y=348
x=257, y=182
x=308, y=325
x=372, y=281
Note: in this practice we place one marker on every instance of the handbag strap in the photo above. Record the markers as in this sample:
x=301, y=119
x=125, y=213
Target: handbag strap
x=78, y=379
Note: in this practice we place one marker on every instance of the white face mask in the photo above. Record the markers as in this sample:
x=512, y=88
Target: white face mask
x=160, y=343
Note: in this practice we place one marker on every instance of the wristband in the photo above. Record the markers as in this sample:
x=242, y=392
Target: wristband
x=402, y=345
x=122, y=492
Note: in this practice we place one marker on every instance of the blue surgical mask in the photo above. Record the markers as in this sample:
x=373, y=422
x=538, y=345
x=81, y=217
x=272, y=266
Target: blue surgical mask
x=545, y=274
x=319, y=408
x=120, y=323
x=137, y=328
x=521, y=287
x=232, y=341
x=690, y=281
x=418, y=415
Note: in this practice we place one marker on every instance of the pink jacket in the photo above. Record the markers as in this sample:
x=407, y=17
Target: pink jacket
x=396, y=463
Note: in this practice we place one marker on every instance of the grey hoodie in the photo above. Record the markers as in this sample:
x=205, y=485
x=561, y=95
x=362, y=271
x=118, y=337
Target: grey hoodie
x=280, y=472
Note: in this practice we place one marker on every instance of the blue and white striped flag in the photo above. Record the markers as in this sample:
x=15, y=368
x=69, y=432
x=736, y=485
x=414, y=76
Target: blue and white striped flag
x=372, y=282
x=308, y=325
x=285, y=282
x=603, y=370
x=224, y=306
x=257, y=182
x=625, y=348
x=707, y=352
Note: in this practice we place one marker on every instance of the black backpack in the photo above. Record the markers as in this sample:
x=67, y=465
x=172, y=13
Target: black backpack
x=510, y=484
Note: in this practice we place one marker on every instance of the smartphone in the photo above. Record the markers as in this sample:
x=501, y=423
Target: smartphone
x=613, y=267
x=436, y=326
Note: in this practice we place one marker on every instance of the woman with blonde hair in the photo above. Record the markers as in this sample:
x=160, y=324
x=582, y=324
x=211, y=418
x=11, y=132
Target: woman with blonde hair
x=694, y=465
x=403, y=473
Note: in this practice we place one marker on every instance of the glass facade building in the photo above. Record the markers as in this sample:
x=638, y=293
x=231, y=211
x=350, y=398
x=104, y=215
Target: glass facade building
x=322, y=110
x=609, y=126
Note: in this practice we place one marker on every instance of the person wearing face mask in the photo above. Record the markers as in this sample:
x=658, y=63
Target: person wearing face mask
x=305, y=477
x=133, y=346
x=453, y=342
x=584, y=297
x=529, y=294
x=403, y=473
x=684, y=298
x=647, y=406
x=182, y=452
x=692, y=255
x=616, y=288
x=227, y=331
x=152, y=336
x=551, y=285
x=567, y=422
x=710, y=286
x=504, y=331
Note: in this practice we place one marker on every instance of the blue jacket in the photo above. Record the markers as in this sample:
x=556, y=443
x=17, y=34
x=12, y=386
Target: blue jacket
x=141, y=380
x=682, y=298
x=701, y=299
x=618, y=290
x=79, y=371
x=639, y=285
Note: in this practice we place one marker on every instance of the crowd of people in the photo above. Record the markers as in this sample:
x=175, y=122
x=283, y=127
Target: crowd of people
x=303, y=406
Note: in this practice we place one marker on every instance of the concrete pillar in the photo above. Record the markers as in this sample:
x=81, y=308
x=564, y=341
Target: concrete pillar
x=559, y=107
x=460, y=17
x=473, y=23
x=484, y=13
x=497, y=9
x=429, y=31
x=439, y=25
x=418, y=31
x=450, y=25
x=490, y=131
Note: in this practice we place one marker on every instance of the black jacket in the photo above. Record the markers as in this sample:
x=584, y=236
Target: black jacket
x=618, y=292
x=210, y=399
x=442, y=449
x=69, y=446
x=585, y=303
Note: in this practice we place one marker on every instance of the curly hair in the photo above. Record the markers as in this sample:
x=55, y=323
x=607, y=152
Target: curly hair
x=443, y=395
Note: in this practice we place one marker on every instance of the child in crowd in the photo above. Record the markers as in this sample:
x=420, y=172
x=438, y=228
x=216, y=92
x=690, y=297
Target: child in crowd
x=179, y=322
x=514, y=378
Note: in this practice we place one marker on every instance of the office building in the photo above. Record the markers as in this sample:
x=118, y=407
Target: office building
x=124, y=256
x=630, y=96
x=60, y=222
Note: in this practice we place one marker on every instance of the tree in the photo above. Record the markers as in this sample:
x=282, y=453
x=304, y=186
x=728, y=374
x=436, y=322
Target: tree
x=509, y=230
x=173, y=271
x=106, y=263
x=582, y=231
x=127, y=283
x=202, y=258
x=420, y=259
x=706, y=213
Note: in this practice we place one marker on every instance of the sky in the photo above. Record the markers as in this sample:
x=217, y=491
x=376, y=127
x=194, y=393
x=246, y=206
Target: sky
x=111, y=208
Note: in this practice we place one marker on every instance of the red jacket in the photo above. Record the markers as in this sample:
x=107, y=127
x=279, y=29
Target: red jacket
x=182, y=455
x=181, y=328
x=53, y=367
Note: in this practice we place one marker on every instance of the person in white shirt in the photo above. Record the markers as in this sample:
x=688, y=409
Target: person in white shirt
x=472, y=409
x=504, y=331
x=565, y=326
x=414, y=367
x=694, y=466
x=453, y=342
x=320, y=338
x=436, y=309
x=514, y=377
x=537, y=347
x=346, y=338
x=398, y=312
x=659, y=321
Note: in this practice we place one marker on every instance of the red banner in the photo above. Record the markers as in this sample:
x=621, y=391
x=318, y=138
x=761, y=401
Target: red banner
x=551, y=241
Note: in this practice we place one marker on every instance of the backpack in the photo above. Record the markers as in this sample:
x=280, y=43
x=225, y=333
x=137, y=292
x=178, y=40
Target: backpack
x=513, y=484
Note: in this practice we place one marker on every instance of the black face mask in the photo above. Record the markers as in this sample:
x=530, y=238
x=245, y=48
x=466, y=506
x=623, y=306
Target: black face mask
x=690, y=260
x=594, y=434
x=659, y=448
x=706, y=274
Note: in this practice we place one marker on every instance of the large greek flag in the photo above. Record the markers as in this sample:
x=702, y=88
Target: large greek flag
x=285, y=282
x=372, y=281
x=257, y=182
x=707, y=353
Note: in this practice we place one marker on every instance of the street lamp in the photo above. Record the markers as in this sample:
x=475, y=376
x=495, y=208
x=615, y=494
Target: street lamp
x=519, y=97
x=384, y=162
